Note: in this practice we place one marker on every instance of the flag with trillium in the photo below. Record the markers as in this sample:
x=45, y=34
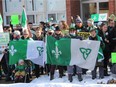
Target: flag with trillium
x=72, y=52
x=27, y=50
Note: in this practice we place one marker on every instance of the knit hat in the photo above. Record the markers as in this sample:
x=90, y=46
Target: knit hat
x=72, y=26
x=99, y=23
x=78, y=19
x=50, y=30
x=90, y=21
x=21, y=60
x=92, y=29
x=57, y=28
x=16, y=32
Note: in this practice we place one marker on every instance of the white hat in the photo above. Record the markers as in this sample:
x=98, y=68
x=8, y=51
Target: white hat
x=99, y=23
x=16, y=32
x=21, y=60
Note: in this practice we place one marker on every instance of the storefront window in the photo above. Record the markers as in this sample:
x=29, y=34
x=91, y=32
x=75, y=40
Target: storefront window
x=103, y=7
x=88, y=9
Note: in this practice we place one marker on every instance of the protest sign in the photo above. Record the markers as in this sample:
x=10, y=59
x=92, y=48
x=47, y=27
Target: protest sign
x=14, y=19
x=84, y=35
x=113, y=55
x=4, y=40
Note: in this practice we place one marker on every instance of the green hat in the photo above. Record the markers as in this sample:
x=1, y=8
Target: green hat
x=72, y=26
x=112, y=17
x=92, y=29
x=90, y=21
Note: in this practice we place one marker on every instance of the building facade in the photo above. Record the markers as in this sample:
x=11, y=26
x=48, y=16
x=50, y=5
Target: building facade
x=43, y=10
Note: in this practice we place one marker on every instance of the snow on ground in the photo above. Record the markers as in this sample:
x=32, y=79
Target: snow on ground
x=44, y=81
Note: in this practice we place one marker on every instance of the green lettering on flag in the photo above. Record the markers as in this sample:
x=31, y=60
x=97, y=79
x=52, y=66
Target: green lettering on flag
x=40, y=50
x=17, y=50
x=113, y=55
x=14, y=19
x=95, y=17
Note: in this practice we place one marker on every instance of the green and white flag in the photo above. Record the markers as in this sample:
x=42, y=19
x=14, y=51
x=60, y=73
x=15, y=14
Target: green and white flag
x=27, y=50
x=1, y=21
x=99, y=17
x=72, y=52
x=24, y=19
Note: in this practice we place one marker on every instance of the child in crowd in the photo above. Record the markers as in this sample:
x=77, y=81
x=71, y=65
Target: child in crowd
x=20, y=70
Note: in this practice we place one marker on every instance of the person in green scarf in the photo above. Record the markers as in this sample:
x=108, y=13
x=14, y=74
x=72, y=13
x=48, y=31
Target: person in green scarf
x=100, y=57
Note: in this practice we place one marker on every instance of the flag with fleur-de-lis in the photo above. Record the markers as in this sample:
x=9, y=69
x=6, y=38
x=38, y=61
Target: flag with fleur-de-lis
x=72, y=52
x=27, y=50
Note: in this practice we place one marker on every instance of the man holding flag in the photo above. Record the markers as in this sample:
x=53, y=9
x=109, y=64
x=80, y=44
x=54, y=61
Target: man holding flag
x=24, y=22
x=100, y=57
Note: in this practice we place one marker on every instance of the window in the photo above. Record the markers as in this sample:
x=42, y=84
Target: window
x=30, y=5
x=52, y=17
x=31, y=18
x=103, y=7
x=7, y=20
x=19, y=0
x=61, y=16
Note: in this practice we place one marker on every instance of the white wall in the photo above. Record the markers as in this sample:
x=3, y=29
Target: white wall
x=40, y=9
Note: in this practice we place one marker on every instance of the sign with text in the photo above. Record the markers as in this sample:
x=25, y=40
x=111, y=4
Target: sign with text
x=113, y=55
x=14, y=19
x=4, y=38
x=84, y=35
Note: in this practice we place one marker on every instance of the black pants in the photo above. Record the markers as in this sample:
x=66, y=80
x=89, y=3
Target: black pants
x=53, y=67
x=106, y=62
x=37, y=70
x=5, y=66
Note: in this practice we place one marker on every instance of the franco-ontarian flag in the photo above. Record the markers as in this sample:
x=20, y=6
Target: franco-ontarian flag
x=72, y=52
x=27, y=50
x=24, y=19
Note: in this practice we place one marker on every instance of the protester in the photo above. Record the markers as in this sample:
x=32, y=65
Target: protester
x=16, y=35
x=74, y=69
x=90, y=24
x=64, y=28
x=20, y=70
x=100, y=57
x=39, y=70
x=79, y=25
x=32, y=30
x=58, y=35
x=27, y=36
x=104, y=34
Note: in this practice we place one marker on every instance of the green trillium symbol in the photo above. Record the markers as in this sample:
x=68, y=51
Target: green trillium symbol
x=40, y=50
x=85, y=52
x=103, y=16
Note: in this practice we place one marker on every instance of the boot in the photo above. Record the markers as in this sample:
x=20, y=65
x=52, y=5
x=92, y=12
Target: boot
x=60, y=76
x=51, y=77
x=93, y=77
x=70, y=77
x=79, y=76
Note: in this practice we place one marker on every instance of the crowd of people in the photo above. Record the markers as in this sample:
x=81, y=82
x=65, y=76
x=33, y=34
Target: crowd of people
x=105, y=32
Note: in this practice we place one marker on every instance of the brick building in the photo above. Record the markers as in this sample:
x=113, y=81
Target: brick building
x=42, y=10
